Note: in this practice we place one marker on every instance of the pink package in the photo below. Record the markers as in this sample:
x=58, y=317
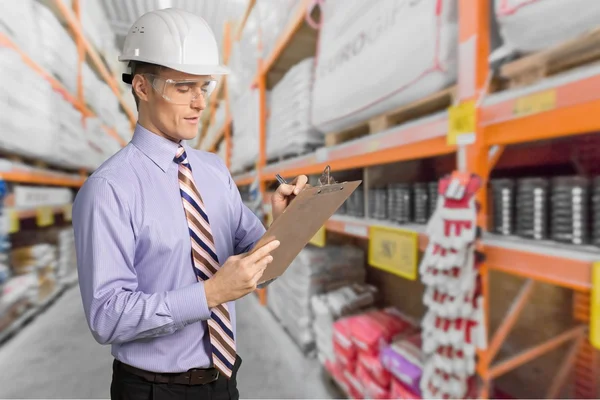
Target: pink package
x=373, y=365
x=371, y=388
x=400, y=391
x=375, y=329
x=404, y=359
x=356, y=390
x=342, y=342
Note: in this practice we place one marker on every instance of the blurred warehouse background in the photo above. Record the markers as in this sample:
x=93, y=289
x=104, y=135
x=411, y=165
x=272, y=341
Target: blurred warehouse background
x=414, y=97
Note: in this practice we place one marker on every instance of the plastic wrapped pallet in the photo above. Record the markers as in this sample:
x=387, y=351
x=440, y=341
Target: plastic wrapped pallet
x=275, y=16
x=289, y=130
x=18, y=21
x=29, y=197
x=533, y=25
x=244, y=57
x=244, y=113
x=358, y=75
x=314, y=271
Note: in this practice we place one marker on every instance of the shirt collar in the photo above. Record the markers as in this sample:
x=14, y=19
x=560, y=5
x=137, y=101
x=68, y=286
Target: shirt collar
x=160, y=150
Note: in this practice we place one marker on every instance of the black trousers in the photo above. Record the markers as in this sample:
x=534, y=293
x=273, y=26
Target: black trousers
x=127, y=386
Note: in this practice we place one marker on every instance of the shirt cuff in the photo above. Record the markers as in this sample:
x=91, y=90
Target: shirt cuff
x=188, y=304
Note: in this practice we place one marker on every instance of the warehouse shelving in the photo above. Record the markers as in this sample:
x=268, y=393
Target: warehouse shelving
x=72, y=20
x=41, y=177
x=555, y=107
x=45, y=216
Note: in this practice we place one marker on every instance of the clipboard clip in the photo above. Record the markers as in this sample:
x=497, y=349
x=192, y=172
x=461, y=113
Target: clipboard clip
x=326, y=178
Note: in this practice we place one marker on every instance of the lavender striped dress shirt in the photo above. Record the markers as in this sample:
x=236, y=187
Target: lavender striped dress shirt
x=133, y=249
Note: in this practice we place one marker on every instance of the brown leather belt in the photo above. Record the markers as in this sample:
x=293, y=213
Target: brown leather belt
x=191, y=377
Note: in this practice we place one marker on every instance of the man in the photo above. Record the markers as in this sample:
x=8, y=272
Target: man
x=162, y=235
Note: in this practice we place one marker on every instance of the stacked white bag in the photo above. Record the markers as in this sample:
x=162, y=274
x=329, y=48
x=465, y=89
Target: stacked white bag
x=275, y=16
x=379, y=55
x=245, y=113
x=243, y=60
x=17, y=20
x=314, y=271
x=533, y=25
x=289, y=129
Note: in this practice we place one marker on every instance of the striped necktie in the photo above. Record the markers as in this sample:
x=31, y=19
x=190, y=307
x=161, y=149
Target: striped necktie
x=206, y=264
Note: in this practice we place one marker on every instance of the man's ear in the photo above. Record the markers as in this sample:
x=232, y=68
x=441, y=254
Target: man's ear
x=141, y=87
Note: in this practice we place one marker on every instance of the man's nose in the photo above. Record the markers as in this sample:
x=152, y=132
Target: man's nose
x=199, y=103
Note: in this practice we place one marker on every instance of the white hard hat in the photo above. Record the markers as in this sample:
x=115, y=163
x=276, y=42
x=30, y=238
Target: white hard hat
x=175, y=39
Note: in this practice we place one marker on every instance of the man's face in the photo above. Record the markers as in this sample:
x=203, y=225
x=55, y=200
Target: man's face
x=175, y=121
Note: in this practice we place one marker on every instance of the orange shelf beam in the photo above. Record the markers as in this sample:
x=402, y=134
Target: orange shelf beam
x=573, y=111
x=421, y=139
x=40, y=178
x=245, y=179
x=552, y=263
x=111, y=81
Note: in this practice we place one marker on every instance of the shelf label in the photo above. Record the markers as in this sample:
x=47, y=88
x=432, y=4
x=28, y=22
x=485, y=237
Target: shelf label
x=595, y=306
x=45, y=216
x=461, y=121
x=68, y=212
x=13, y=221
x=394, y=250
x=535, y=103
x=320, y=238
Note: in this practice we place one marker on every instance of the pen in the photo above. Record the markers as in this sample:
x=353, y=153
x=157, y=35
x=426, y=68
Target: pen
x=281, y=180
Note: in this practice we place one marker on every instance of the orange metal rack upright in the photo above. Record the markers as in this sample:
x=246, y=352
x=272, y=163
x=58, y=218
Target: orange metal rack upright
x=500, y=120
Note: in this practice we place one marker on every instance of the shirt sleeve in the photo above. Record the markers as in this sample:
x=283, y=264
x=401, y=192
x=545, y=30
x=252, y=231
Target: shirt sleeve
x=115, y=310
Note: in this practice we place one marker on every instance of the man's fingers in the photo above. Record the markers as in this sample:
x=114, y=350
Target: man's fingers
x=300, y=183
x=285, y=189
x=263, y=251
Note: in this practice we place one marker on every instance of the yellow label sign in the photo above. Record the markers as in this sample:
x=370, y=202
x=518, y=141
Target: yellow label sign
x=320, y=238
x=461, y=121
x=14, y=222
x=595, y=306
x=535, y=103
x=45, y=216
x=68, y=212
x=394, y=250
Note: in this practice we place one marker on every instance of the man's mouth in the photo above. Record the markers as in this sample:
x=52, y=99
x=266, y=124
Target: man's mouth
x=192, y=120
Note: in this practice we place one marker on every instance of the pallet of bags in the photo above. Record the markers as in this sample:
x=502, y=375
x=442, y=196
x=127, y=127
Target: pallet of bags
x=314, y=271
x=67, y=260
x=377, y=56
x=329, y=307
x=289, y=129
x=358, y=341
x=244, y=149
x=18, y=294
x=527, y=26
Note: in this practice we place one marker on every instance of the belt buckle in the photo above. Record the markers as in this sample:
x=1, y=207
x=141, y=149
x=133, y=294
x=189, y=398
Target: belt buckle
x=217, y=375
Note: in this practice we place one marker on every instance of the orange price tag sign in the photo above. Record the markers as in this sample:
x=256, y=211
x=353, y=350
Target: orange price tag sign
x=394, y=250
x=45, y=216
x=320, y=238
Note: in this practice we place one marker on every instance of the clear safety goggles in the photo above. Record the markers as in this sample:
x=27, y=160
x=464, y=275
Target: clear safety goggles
x=182, y=92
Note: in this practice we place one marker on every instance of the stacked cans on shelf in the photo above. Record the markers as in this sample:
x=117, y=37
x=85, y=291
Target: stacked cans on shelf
x=548, y=208
x=401, y=203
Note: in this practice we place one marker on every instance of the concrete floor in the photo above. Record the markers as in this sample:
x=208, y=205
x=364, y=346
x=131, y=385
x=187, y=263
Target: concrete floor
x=56, y=357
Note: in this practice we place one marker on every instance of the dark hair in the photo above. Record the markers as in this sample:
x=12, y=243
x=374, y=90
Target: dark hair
x=140, y=68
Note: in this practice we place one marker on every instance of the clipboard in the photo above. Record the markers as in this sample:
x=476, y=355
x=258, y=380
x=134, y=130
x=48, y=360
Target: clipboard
x=301, y=220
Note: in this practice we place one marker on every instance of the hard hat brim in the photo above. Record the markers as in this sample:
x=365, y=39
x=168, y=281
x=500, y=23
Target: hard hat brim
x=200, y=70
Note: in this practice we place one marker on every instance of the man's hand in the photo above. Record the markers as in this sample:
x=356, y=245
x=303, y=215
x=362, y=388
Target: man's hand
x=238, y=276
x=286, y=193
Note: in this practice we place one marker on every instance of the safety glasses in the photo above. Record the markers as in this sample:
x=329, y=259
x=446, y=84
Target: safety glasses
x=182, y=92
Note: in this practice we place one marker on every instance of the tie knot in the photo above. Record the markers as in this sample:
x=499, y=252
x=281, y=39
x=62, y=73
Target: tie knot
x=181, y=156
